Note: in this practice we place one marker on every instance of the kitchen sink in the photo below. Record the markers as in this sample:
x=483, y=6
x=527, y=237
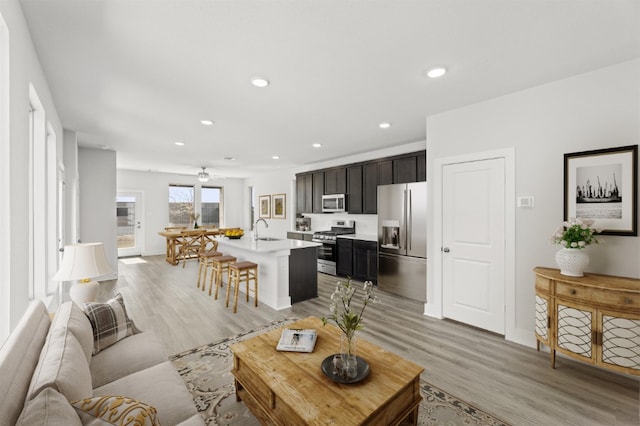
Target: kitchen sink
x=268, y=239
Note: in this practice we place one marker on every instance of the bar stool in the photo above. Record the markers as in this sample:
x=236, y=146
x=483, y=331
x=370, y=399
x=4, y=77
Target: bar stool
x=206, y=261
x=238, y=272
x=220, y=266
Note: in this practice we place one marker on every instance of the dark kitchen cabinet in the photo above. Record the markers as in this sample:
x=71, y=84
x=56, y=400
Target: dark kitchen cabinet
x=422, y=167
x=344, y=257
x=405, y=169
x=370, y=175
x=335, y=181
x=354, y=189
x=385, y=172
x=365, y=260
x=411, y=168
x=318, y=191
x=304, y=193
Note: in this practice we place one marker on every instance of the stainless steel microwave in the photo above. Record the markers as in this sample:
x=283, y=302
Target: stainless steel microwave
x=333, y=203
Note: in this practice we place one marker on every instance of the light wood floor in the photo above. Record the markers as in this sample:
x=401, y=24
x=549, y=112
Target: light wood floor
x=511, y=381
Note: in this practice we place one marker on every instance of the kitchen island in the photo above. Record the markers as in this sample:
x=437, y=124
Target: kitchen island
x=287, y=271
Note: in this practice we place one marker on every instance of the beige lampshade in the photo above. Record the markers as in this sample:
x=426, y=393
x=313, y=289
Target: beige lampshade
x=83, y=261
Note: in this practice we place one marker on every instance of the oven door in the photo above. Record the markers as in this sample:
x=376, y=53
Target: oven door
x=327, y=258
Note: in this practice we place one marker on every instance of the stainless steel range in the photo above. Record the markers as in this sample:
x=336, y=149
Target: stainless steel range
x=327, y=253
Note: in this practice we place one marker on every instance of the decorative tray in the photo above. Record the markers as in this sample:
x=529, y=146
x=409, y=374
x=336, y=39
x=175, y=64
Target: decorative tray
x=362, y=371
x=234, y=237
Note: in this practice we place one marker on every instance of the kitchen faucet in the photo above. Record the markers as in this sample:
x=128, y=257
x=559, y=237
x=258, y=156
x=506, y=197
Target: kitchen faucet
x=255, y=227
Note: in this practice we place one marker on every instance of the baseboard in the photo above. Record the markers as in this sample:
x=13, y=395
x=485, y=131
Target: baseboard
x=522, y=337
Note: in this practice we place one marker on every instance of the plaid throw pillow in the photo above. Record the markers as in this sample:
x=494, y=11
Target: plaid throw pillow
x=110, y=322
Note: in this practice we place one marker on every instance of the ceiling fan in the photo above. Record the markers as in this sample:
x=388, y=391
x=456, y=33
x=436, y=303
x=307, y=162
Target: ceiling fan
x=203, y=176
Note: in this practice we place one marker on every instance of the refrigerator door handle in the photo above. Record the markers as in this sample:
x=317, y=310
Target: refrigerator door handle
x=409, y=220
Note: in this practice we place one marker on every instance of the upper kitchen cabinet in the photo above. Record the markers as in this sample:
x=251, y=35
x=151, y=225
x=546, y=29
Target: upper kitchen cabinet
x=318, y=191
x=335, y=181
x=411, y=168
x=304, y=193
x=385, y=172
x=354, y=189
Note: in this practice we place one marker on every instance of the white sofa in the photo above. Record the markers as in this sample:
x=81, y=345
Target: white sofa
x=46, y=365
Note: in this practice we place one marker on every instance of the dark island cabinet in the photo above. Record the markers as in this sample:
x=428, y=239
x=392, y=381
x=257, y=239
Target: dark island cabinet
x=354, y=189
x=365, y=260
x=335, y=181
x=344, y=257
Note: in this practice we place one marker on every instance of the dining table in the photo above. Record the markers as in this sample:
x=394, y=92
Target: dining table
x=187, y=243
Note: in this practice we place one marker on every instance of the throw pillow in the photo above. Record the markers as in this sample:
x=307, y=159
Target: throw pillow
x=115, y=410
x=110, y=322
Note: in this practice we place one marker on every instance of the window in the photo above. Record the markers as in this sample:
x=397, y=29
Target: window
x=211, y=206
x=181, y=204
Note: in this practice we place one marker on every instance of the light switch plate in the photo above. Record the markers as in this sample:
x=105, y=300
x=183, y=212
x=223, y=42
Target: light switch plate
x=526, y=201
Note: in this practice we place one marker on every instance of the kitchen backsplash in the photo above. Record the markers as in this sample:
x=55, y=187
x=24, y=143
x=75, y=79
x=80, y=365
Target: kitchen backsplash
x=366, y=224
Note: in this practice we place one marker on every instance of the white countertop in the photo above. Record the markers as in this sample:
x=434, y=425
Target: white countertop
x=248, y=243
x=363, y=237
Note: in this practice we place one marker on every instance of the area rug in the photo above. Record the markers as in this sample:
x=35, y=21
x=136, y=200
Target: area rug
x=206, y=371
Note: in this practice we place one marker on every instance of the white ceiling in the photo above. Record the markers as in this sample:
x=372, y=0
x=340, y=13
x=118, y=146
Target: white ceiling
x=138, y=75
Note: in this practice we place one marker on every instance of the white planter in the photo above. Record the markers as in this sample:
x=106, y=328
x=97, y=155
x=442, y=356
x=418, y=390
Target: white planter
x=572, y=261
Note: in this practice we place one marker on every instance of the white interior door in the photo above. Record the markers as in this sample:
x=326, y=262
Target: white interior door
x=473, y=270
x=129, y=223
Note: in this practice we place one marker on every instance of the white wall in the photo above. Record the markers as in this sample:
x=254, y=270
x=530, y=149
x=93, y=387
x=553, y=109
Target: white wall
x=155, y=190
x=599, y=109
x=97, y=173
x=24, y=69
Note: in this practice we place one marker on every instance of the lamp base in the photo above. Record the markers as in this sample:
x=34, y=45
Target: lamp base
x=81, y=292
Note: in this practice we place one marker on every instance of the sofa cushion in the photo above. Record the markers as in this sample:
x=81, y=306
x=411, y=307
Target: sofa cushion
x=161, y=386
x=49, y=407
x=62, y=366
x=115, y=410
x=109, y=321
x=18, y=359
x=70, y=316
x=132, y=354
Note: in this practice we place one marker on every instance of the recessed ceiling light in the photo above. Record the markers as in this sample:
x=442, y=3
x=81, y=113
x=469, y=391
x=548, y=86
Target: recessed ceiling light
x=317, y=145
x=179, y=143
x=275, y=157
x=384, y=125
x=435, y=72
x=259, y=81
x=207, y=122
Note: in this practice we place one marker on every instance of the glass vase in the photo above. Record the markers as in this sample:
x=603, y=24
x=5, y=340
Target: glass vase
x=349, y=363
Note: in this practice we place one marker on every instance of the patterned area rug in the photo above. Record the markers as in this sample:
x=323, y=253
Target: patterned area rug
x=207, y=373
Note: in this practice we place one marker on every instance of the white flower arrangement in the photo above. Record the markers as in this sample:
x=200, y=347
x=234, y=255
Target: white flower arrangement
x=576, y=233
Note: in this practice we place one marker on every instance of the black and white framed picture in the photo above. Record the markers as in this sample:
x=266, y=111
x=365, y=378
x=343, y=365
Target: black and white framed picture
x=601, y=185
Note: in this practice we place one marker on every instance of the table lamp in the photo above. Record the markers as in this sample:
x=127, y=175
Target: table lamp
x=83, y=262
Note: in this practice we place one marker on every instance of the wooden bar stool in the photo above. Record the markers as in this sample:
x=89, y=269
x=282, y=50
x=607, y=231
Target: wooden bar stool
x=206, y=261
x=238, y=272
x=220, y=266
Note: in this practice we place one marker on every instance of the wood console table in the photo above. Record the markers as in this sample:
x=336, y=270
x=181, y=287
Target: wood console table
x=289, y=388
x=595, y=318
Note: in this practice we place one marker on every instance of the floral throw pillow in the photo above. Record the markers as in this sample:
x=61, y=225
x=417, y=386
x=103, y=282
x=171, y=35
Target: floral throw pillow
x=109, y=321
x=115, y=410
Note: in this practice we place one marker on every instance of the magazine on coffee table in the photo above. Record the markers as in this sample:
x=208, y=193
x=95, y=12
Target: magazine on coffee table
x=297, y=340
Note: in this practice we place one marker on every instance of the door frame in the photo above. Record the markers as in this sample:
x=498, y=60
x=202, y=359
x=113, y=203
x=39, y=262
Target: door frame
x=139, y=194
x=434, y=305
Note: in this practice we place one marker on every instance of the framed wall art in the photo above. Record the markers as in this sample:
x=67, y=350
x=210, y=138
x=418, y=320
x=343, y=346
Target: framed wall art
x=601, y=185
x=265, y=206
x=279, y=206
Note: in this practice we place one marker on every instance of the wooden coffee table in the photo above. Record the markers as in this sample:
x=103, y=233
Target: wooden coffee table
x=290, y=388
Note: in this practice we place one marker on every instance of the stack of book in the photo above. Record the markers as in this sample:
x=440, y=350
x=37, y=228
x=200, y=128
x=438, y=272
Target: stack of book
x=297, y=340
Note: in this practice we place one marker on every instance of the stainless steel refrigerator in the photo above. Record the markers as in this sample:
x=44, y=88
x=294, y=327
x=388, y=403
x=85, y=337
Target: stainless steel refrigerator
x=402, y=239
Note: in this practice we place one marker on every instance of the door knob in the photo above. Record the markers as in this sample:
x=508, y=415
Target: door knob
x=445, y=249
